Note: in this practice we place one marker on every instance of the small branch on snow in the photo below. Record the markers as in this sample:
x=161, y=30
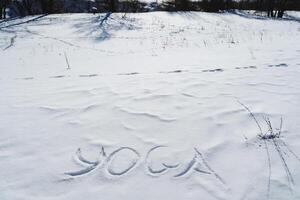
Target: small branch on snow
x=67, y=61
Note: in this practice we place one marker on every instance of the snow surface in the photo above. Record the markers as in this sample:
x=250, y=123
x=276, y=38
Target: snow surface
x=146, y=106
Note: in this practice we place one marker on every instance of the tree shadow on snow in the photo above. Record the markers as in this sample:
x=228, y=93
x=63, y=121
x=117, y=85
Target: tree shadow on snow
x=104, y=26
x=291, y=18
x=192, y=15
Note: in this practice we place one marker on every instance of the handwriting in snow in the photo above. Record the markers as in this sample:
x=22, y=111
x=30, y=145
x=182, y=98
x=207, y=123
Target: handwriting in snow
x=197, y=164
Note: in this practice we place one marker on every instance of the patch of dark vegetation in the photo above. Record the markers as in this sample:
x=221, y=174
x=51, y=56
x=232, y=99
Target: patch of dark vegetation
x=273, y=8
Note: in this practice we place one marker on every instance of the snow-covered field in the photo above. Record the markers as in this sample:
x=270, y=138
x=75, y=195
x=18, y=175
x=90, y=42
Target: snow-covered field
x=150, y=106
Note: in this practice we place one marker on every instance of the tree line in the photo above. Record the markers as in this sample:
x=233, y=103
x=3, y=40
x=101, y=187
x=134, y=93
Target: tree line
x=273, y=8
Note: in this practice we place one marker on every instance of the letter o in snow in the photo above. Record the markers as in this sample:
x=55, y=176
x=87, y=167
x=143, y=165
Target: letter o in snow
x=129, y=158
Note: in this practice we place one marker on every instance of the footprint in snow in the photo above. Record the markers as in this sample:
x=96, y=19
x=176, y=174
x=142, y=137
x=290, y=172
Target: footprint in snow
x=175, y=71
x=28, y=78
x=59, y=76
x=279, y=65
x=249, y=67
x=213, y=70
x=88, y=75
x=128, y=74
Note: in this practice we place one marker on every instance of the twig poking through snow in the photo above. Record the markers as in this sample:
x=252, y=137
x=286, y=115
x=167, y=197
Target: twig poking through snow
x=286, y=167
x=270, y=169
x=273, y=136
x=258, y=125
x=67, y=61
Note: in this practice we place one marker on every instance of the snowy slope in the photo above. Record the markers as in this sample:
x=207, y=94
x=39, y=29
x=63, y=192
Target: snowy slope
x=146, y=106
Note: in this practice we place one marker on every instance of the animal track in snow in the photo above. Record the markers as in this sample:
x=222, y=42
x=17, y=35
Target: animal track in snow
x=213, y=70
x=129, y=74
x=249, y=67
x=279, y=65
x=167, y=72
x=88, y=75
x=28, y=78
x=58, y=76
x=175, y=71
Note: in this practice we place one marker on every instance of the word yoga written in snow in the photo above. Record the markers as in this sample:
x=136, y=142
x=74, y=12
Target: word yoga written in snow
x=197, y=164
